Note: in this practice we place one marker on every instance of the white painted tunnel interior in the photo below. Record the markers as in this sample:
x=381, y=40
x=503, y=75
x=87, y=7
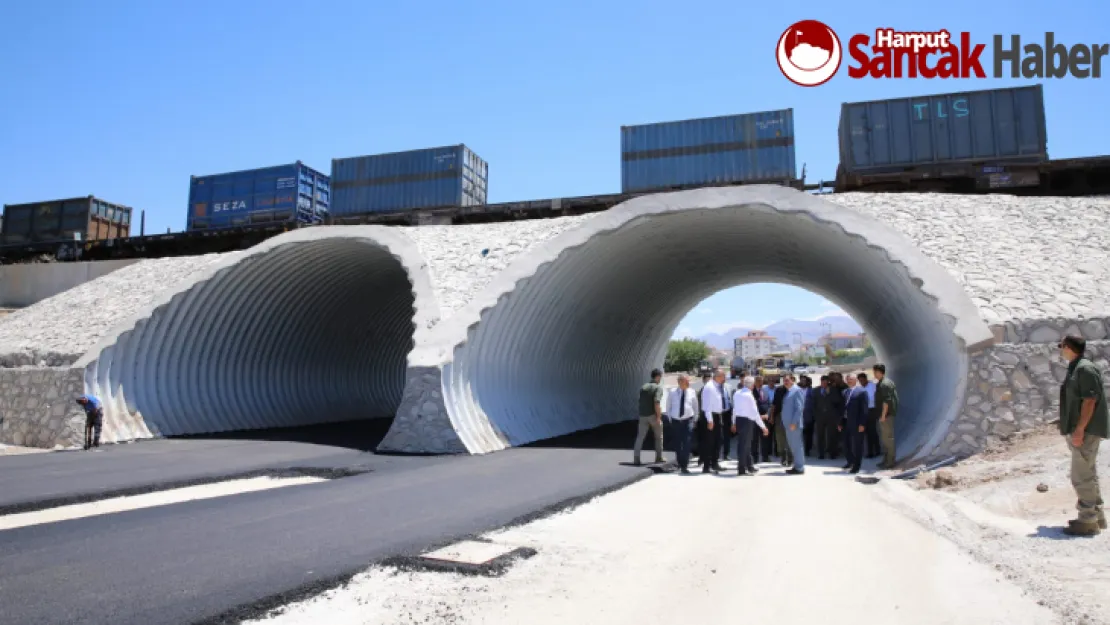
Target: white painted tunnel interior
x=568, y=347
x=308, y=333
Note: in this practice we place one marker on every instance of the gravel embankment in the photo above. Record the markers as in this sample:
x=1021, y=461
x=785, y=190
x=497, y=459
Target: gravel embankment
x=1013, y=254
x=57, y=331
x=454, y=253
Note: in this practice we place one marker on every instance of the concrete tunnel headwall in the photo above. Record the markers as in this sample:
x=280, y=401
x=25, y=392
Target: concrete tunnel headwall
x=561, y=338
x=312, y=326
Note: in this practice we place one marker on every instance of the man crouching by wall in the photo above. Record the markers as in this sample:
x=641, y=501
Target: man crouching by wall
x=1084, y=423
x=94, y=420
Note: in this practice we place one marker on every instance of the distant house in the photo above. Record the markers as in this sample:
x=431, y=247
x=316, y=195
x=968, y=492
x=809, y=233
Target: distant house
x=844, y=341
x=755, y=345
x=812, y=350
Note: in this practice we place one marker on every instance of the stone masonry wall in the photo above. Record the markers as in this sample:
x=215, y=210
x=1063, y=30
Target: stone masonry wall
x=1015, y=386
x=38, y=407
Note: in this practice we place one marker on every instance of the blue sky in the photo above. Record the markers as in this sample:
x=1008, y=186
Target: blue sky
x=126, y=99
x=754, y=306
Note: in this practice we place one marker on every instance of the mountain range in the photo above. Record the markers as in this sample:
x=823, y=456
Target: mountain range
x=784, y=331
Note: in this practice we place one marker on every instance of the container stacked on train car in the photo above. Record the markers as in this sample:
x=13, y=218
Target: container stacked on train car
x=431, y=178
x=293, y=193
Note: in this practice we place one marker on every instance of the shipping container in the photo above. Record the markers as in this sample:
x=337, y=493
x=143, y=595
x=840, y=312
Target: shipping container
x=733, y=149
x=399, y=181
x=994, y=127
x=75, y=219
x=284, y=193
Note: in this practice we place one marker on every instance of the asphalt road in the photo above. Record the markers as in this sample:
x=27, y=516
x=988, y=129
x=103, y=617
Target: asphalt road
x=192, y=561
x=72, y=475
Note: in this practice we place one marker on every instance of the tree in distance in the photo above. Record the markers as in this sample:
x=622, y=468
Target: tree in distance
x=685, y=354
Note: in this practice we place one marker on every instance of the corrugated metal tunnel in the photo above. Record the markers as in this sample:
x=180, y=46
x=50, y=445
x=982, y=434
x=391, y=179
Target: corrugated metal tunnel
x=296, y=333
x=564, y=342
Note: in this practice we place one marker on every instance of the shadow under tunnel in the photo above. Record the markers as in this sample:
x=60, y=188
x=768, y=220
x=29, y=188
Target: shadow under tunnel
x=360, y=435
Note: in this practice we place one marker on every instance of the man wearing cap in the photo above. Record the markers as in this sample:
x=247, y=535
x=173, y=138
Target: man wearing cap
x=1084, y=424
x=651, y=416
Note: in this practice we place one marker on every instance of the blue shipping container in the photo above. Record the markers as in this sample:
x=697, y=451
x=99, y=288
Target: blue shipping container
x=398, y=181
x=993, y=126
x=734, y=149
x=293, y=193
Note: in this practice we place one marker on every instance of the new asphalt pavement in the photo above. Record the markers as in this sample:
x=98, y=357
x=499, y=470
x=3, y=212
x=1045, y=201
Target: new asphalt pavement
x=219, y=560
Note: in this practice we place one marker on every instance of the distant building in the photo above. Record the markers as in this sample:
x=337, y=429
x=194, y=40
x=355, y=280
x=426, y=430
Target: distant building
x=844, y=341
x=755, y=345
x=811, y=350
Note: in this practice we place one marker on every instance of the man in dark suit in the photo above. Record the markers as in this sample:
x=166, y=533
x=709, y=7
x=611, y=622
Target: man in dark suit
x=855, y=421
x=829, y=413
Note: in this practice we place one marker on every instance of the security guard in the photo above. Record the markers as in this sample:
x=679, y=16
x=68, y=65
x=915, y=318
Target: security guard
x=1084, y=424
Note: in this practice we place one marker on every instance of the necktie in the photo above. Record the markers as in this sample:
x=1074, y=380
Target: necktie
x=724, y=398
x=681, y=403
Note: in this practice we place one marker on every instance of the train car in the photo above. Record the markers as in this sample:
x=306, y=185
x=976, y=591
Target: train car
x=964, y=141
x=76, y=219
x=715, y=151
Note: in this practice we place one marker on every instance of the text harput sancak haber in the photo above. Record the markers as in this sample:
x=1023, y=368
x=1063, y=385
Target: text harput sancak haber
x=897, y=54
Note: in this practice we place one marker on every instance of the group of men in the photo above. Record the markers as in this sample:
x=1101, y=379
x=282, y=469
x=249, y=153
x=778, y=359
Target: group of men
x=784, y=417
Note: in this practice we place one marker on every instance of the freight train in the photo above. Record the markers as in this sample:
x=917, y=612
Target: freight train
x=966, y=142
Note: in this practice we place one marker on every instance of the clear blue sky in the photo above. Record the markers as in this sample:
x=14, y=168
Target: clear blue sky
x=126, y=99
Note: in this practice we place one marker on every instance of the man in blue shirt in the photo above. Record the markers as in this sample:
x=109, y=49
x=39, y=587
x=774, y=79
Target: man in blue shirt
x=94, y=420
x=793, y=410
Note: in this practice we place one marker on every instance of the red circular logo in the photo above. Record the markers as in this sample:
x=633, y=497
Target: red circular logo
x=809, y=53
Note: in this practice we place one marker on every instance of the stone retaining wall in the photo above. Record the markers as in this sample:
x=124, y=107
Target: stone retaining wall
x=1015, y=385
x=1052, y=330
x=38, y=407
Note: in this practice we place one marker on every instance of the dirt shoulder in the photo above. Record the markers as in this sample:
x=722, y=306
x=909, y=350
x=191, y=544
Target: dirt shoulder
x=1008, y=507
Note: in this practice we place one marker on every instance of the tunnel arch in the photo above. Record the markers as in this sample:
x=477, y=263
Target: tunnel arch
x=311, y=326
x=558, y=340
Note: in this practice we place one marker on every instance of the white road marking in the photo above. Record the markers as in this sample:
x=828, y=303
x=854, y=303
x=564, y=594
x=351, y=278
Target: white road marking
x=150, y=500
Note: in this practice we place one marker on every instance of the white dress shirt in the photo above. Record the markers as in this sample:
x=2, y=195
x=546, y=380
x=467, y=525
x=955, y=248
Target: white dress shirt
x=870, y=388
x=688, y=401
x=711, y=400
x=744, y=407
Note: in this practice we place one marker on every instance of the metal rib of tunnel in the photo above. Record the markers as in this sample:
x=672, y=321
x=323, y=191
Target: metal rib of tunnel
x=562, y=338
x=313, y=326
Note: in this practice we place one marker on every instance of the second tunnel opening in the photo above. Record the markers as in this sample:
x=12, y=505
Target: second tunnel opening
x=568, y=348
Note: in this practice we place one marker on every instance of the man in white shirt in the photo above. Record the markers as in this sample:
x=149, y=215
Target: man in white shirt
x=682, y=410
x=745, y=421
x=712, y=404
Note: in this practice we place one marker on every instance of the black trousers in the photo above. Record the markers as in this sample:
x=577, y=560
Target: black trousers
x=853, y=446
x=872, y=434
x=828, y=437
x=725, y=436
x=92, y=431
x=709, y=440
x=808, y=431
x=745, y=429
x=767, y=443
